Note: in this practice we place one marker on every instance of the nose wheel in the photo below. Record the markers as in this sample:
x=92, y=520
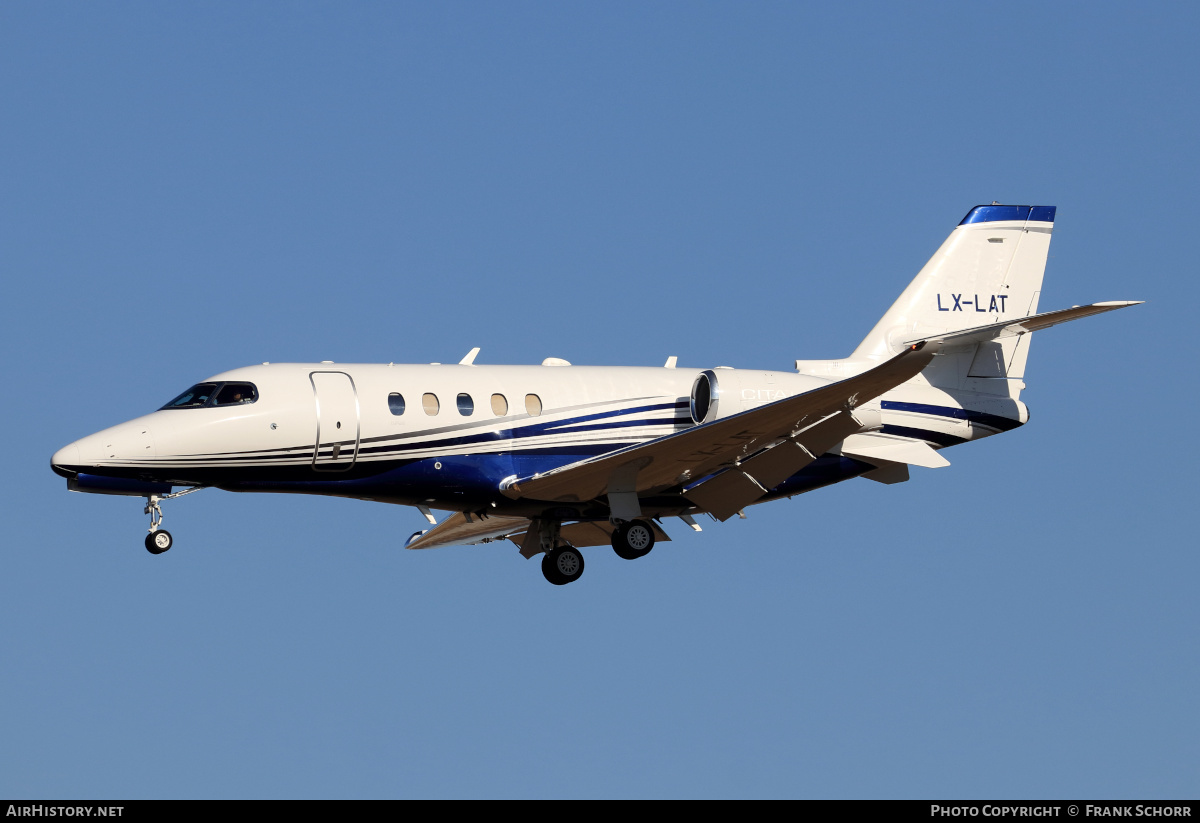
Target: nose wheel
x=158, y=541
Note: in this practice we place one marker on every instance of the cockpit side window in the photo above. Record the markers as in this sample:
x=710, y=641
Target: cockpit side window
x=215, y=394
x=194, y=397
x=235, y=394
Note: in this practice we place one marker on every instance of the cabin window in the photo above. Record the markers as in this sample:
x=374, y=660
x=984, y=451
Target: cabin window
x=533, y=405
x=499, y=405
x=429, y=402
x=466, y=406
x=396, y=403
x=235, y=394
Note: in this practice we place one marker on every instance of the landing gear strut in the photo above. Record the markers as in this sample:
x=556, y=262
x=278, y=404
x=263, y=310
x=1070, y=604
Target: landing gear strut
x=633, y=539
x=159, y=539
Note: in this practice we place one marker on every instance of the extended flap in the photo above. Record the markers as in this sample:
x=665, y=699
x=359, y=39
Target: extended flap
x=726, y=494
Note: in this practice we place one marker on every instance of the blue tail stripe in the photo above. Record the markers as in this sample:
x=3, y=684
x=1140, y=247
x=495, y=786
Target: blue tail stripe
x=993, y=214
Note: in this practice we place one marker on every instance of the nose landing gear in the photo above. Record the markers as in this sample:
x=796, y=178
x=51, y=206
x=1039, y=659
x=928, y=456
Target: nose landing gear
x=159, y=539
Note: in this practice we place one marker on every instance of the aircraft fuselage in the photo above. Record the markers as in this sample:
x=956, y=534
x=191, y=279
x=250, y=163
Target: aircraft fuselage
x=448, y=436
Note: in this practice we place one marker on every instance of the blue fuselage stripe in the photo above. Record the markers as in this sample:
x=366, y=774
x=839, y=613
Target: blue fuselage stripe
x=993, y=421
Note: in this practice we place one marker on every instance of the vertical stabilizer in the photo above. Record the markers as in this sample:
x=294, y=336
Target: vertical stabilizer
x=989, y=269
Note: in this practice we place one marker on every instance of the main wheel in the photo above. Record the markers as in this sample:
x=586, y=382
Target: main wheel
x=633, y=539
x=159, y=541
x=562, y=565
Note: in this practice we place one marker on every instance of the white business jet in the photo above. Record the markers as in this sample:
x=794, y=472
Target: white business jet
x=557, y=458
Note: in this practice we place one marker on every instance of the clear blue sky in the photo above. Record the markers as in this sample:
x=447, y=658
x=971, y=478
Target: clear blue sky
x=190, y=188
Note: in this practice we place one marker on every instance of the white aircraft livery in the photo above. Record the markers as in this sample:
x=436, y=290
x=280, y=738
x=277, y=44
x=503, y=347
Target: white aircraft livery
x=557, y=458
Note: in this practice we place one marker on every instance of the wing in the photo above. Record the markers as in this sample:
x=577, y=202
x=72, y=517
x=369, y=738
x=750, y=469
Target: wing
x=460, y=530
x=797, y=428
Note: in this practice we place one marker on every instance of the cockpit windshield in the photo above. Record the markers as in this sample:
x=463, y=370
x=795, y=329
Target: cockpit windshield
x=214, y=394
x=197, y=395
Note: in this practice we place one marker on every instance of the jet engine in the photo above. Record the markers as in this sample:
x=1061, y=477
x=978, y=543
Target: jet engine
x=722, y=392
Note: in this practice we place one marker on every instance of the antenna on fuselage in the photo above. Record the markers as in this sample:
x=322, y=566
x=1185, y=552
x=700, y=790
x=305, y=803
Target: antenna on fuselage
x=469, y=360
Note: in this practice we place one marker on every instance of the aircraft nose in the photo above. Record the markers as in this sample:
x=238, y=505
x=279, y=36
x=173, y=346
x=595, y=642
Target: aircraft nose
x=64, y=457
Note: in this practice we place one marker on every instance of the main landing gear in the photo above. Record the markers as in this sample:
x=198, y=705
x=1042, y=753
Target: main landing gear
x=562, y=565
x=633, y=539
x=159, y=539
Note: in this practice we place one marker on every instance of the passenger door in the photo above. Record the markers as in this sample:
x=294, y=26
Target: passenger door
x=337, y=420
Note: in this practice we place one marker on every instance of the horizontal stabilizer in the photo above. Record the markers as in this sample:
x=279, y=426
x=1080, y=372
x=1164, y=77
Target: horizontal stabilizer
x=1012, y=328
x=464, y=530
x=877, y=448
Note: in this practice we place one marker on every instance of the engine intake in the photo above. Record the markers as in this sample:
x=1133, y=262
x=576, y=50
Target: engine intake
x=705, y=396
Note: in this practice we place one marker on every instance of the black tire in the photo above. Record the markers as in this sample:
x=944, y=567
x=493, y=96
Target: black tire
x=633, y=539
x=159, y=541
x=549, y=572
x=562, y=565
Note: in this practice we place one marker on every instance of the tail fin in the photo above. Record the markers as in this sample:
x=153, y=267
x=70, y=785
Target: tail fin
x=989, y=269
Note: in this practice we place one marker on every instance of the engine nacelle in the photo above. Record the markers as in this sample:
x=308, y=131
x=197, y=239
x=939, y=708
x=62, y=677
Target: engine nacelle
x=718, y=393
